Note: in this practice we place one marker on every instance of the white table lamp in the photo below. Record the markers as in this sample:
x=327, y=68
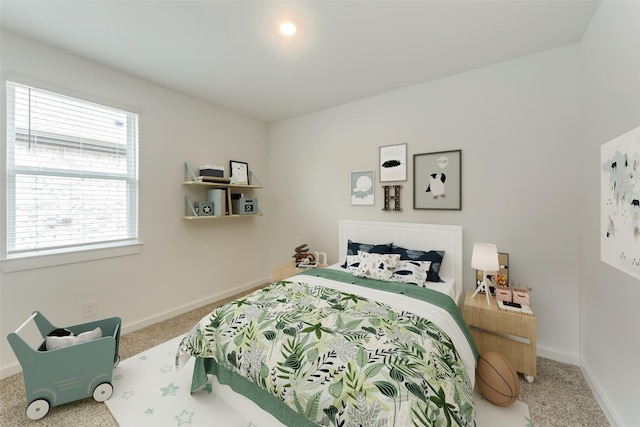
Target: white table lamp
x=484, y=257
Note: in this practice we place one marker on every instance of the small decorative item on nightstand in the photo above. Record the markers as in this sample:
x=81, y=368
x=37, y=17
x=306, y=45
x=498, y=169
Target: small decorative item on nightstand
x=521, y=296
x=305, y=259
x=302, y=255
x=503, y=293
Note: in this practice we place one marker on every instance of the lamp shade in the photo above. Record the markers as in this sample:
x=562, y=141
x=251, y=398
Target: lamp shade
x=485, y=257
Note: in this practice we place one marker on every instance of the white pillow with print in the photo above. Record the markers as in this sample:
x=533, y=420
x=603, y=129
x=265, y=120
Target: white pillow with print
x=52, y=343
x=376, y=266
x=353, y=261
x=411, y=272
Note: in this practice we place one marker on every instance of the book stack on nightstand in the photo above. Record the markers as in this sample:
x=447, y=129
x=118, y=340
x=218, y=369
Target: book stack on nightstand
x=511, y=334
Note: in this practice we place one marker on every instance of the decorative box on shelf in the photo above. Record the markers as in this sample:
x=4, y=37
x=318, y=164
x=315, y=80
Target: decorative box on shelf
x=209, y=170
x=203, y=208
x=244, y=205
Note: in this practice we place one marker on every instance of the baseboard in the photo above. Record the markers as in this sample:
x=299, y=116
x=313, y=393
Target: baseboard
x=10, y=370
x=599, y=395
x=577, y=360
x=16, y=368
x=188, y=307
x=558, y=356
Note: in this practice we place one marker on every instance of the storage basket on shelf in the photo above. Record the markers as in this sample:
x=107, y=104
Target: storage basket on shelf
x=61, y=375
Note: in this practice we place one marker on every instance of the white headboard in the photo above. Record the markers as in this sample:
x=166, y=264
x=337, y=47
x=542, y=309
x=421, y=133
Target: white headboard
x=411, y=236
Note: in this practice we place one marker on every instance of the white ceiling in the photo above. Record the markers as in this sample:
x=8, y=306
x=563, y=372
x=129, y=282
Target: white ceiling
x=229, y=53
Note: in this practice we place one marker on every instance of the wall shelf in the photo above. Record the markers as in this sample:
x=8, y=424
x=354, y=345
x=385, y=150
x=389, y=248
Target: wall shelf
x=217, y=185
x=190, y=179
x=199, y=217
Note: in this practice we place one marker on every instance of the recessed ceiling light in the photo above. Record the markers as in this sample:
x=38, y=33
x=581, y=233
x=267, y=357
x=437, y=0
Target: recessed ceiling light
x=288, y=27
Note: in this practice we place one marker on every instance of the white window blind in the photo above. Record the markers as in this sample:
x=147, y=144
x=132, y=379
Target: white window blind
x=72, y=173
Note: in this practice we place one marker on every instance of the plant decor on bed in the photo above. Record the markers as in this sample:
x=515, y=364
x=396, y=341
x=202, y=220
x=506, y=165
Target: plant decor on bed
x=338, y=359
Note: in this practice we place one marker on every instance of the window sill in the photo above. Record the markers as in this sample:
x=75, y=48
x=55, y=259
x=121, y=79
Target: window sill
x=51, y=260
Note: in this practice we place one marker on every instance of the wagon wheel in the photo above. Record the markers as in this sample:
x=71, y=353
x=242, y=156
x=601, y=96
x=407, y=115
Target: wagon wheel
x=38, y=409
x=102, y=392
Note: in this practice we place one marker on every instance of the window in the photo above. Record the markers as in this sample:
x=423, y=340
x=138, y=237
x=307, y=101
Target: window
x=72, y=174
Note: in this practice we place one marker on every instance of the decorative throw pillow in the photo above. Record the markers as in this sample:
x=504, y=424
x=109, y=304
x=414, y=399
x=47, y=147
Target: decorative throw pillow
x=353, y=248
x=353, y=262
x=412, y=272
x=376, y=266
x=415, y=255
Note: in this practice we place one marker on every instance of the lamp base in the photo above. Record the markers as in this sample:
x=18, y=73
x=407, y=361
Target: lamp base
x=483, y=287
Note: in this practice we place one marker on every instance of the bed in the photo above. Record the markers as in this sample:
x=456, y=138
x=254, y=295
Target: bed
x=358, y=343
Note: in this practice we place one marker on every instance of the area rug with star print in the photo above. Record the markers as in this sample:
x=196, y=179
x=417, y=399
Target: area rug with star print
x=149, y=391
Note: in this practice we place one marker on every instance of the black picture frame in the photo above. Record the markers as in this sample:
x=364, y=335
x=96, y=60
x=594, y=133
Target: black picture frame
x=437, y=180
x=239, y=172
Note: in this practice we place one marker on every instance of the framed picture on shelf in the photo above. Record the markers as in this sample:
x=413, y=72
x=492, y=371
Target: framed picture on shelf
x=362, y=189
x=437, y=180
x=393, y=163
x=239, y=172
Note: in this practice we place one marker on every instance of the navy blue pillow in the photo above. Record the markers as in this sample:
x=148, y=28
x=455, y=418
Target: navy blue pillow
x=353, y=248
x=415, y=255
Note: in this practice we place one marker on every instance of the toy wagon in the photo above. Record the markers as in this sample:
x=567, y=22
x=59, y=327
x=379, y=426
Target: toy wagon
x=61, y=375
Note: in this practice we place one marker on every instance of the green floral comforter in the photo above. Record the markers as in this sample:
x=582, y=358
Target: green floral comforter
x=338, y=359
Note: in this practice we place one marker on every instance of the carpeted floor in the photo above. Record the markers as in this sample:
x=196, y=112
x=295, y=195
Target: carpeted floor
x=559, y=396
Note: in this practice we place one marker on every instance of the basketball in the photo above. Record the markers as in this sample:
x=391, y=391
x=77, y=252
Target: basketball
x=497, y=380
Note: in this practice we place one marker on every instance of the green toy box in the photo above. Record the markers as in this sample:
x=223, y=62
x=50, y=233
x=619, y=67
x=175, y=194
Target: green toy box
x=61, y=375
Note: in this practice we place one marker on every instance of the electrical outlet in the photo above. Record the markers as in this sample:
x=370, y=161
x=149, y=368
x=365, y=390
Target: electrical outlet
x=89, y=308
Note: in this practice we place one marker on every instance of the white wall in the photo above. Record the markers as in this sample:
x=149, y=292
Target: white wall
x=609, y=298
x=517, y=124
x=183, y=264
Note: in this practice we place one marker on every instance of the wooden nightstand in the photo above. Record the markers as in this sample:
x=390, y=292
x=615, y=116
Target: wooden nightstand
x=288, y=269
x=511, y=334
